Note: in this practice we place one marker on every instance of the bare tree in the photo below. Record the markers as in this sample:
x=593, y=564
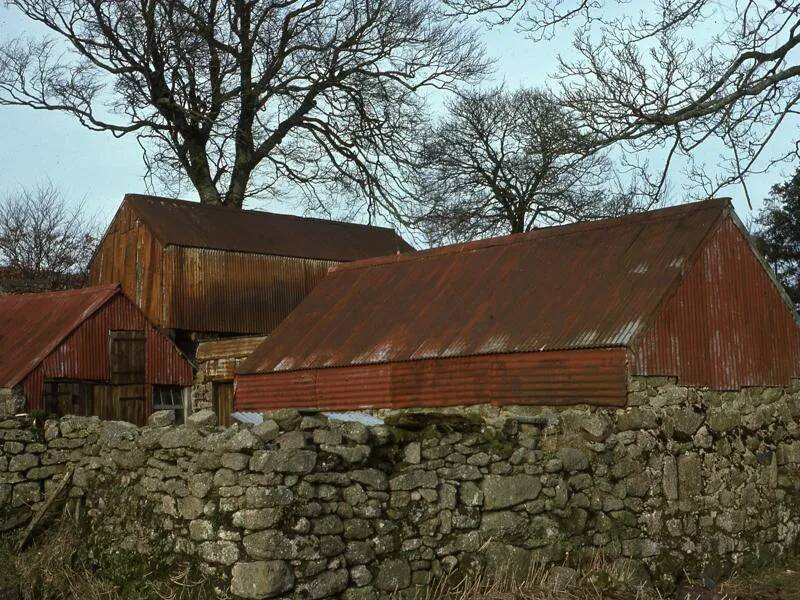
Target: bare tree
x=44, y=243
x=671, y=76
x=507, y=162
x=240, y=96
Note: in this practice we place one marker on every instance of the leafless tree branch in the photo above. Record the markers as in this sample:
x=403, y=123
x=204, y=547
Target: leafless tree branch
x=507, y=162
x=44, y=243
x=672, y=75
x=241, y=95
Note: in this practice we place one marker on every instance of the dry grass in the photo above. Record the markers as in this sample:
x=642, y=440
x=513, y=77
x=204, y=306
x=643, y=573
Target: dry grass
x=598, y=582
x=58, y=566
x=777, y=583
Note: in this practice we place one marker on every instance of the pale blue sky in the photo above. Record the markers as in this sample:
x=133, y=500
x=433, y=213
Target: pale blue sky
x=36, y=145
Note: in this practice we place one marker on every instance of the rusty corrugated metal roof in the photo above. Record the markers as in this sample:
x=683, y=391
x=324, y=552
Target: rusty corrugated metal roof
x=587, y=285
x=191, y=224
x=32, y=325
x=232, y=347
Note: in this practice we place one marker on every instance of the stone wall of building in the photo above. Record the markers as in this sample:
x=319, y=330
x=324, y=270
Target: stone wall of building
x=216, y=363
x=680, y=480
x=12, y=401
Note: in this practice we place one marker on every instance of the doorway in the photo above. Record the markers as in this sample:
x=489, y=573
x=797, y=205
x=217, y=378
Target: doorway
x=222, y=399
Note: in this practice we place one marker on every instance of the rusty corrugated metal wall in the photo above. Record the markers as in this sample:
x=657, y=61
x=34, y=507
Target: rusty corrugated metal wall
x=198, y=289
x=131, y=256
x=234, y=292
x=597, y=376
x=726, y=326
x=83, y=355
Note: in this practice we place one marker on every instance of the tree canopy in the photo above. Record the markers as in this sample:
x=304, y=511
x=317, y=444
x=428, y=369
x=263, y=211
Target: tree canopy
x=664, y=79
x=778, y=234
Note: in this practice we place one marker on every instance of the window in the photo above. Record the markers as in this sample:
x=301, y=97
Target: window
x=169, y=397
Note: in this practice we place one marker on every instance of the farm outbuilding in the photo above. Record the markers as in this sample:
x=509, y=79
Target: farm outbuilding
x=216, y=367
x=200, y=271
x=89, y=352
x=561, y=315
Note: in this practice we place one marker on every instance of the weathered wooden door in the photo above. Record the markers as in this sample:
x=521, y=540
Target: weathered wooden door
x=128, y=398
x=223, y=402
x=67, y=397
x=126, y=353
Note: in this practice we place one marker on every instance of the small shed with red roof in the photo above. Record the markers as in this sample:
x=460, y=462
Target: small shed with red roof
x=89, y=351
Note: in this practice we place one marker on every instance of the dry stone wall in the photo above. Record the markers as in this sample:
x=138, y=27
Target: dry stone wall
x=680, y=480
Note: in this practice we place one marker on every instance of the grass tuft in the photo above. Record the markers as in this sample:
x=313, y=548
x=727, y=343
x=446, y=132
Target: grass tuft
x=599, y=581
x=58, y=566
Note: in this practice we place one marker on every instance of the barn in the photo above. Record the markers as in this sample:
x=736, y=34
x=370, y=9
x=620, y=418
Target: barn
x=89, y=352
x=561, y=315
x=200, y=271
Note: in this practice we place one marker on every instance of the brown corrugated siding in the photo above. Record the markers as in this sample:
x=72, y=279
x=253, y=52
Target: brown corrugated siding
x=83, y=355
x=596, y=377
x=131, y=256
x=726, y=326
x=207, y=269
x=234, y=292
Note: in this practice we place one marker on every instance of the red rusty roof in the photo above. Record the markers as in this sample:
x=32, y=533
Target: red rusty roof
x=191, y=224
x=587, y=285
x=32, y=325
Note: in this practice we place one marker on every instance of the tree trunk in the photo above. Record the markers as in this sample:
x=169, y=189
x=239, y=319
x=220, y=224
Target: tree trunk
x=201, y=178
x=237, y=188
x=208, y=194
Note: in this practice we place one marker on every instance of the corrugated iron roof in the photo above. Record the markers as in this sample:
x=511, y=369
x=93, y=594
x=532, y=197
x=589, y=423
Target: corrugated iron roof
x=247, y=417
x=355, y=417
x=32, y=325
x=587, y=285
x=256, y=418
x=191, y=224
x=232, y=347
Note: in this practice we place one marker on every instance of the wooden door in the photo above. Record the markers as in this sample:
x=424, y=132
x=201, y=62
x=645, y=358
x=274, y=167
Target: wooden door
x=119, y=403
x=126, y=398
x=126, y=355
x=67, y=397
x=223, y=402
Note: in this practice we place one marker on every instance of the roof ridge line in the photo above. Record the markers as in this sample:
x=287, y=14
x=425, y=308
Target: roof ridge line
x=652, y=216
x=192, y=203
x=69, y=291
